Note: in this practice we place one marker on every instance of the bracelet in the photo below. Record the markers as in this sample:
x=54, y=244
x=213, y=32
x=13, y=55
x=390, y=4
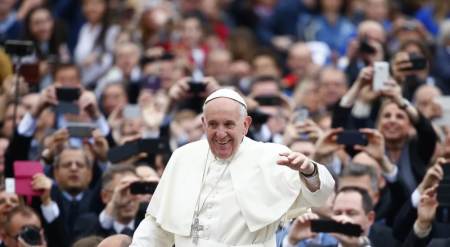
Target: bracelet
x=313, y=173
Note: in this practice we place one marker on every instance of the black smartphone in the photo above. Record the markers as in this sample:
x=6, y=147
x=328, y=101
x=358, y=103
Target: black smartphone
x=19, y=47
x=270, y=100
x=258, y=117
x=143, y=187
x=68, y=94
x=123, y=152
x=80, y=129
x=196, y=87
x=348, y=229
x=418, y=62
x=352, y=137
x=365, y=47
x=153, y=145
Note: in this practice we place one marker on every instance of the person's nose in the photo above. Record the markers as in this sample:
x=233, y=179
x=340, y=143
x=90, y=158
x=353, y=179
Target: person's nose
x=221, y=133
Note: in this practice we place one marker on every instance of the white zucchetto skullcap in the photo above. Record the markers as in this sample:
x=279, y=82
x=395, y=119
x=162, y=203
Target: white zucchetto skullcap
x=226, y=93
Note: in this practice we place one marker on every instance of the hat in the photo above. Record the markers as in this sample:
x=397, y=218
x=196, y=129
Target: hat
x=226, y=93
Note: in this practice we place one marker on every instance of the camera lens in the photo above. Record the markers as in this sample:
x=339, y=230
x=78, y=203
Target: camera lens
x=31, y=235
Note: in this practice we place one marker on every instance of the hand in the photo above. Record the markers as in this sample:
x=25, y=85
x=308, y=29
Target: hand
x=180, y=89
x=282, y=42
x=47, y=98
x=392, y=90
x=9, y=86
x=100, y=146
x=374, y=57
x=115, y=118
x=426, y=210
x=54, y=144
x=346, y=241
x=311, y=128
x=327, y=145
x=433, y=175
x=296, y=161
x=211, y=85
x=399, y=63
x=154, y=108
x=88, y=103
x=120, y=195
x=90, y=59
x=375, y=146
x=365, y=76
x=301, y=228
x=42, y=182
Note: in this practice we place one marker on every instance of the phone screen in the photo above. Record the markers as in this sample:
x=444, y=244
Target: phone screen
x=143, y=187
x=68, y=94
x=352, y=137
x=336, y=227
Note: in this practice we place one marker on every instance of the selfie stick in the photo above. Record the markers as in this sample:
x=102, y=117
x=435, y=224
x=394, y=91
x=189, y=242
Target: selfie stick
x=17, y=67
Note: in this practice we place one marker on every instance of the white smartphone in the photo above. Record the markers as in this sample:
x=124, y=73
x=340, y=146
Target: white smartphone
x=380, y=75
x=131, y=111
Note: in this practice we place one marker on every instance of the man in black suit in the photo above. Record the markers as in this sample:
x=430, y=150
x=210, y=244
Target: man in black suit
x=67, y=204
x=120, y=215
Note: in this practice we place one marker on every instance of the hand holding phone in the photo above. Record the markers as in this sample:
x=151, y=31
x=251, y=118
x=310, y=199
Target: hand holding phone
x=68, y=94
x=348, y=229
x=418, y=62
x=380, y=76
x=133, y=148
x=196, y=87
x=268, y=100
x=80, y=129
x=143, y=187
x=351, y=138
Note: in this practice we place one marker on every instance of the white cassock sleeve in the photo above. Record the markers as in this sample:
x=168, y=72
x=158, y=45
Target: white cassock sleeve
x=150, y=234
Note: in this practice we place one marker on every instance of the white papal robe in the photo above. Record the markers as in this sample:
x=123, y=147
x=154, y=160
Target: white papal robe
x=245, y=207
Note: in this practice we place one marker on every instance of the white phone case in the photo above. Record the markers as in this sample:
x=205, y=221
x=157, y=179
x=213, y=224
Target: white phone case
x=380, y=75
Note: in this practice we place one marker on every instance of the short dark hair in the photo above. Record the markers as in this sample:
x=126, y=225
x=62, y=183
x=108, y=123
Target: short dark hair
x=63, y=66
x=359, y=170
x=109, y=174
x=265, y=78
x=23, y=210
x=367, y=203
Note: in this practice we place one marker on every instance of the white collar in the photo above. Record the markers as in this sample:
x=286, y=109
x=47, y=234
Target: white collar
x=118, y=227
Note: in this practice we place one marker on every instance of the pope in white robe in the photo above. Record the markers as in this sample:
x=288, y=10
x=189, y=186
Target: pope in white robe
x=229, y=190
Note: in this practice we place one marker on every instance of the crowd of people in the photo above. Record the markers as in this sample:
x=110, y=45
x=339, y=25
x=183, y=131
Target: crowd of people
x=135, y=74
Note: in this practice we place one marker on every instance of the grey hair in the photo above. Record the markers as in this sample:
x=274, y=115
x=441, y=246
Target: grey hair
x=89, y=162
x=359, y=170
x=242, y=109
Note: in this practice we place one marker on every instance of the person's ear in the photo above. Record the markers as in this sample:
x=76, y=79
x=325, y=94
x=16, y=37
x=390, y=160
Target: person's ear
x=204, y=123
x=105, y=196
x=371, y=217
x=247, y=123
